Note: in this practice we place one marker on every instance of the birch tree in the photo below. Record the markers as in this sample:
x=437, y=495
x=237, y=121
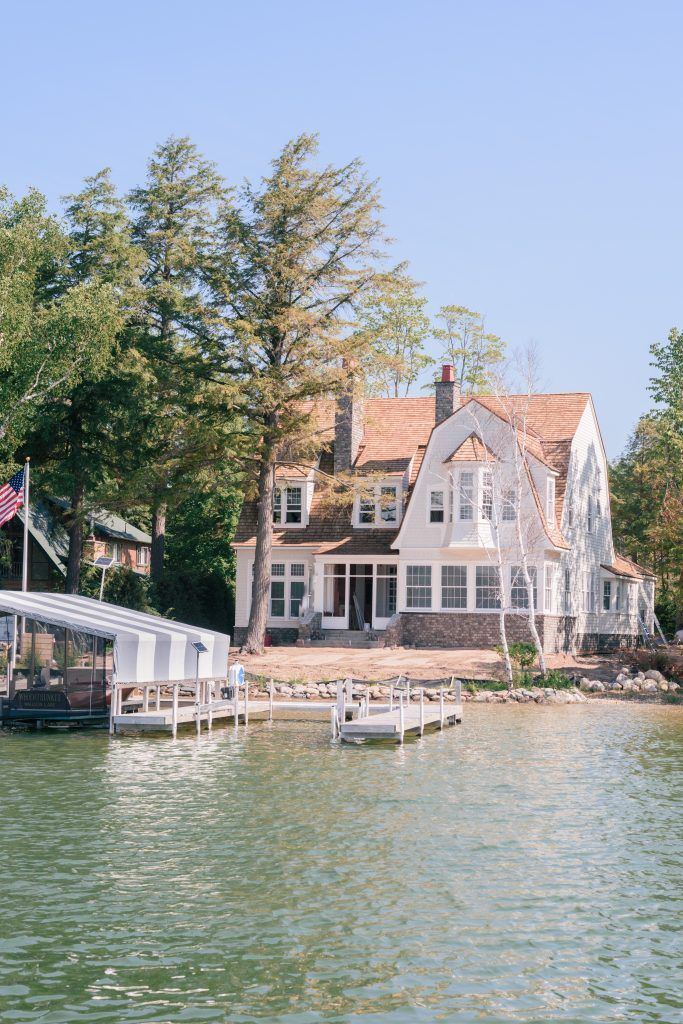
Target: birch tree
x=297, y=256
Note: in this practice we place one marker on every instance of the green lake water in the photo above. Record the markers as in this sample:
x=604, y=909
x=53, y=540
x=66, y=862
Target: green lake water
x=525, y=866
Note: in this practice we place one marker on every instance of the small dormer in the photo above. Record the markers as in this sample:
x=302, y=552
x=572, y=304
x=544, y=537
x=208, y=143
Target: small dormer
x=379, y=504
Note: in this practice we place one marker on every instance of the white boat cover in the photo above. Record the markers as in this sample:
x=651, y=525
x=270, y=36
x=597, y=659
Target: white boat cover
x=147, y=648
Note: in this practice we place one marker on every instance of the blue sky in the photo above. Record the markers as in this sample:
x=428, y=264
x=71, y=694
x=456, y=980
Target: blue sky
x=529, y=153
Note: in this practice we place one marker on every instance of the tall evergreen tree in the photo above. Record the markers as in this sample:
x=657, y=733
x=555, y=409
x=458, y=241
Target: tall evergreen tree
x=174, y=228
x=77, y=440
x=297, y=255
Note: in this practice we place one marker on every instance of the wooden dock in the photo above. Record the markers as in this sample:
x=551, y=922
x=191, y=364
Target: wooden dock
x=404, y=719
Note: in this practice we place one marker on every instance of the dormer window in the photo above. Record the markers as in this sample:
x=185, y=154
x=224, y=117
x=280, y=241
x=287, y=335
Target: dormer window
x=378, y=506
x=436, y=507
x=288, y=506
x=550, y=501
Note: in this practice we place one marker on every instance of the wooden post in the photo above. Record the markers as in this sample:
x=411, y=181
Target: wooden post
x=145, y=698
x=401, y=720
x=458, y=690
x=391, y=696
x=270, y=695
x=174, y=710
x=422, y=710
x=236, y=710
x=209, y=701
x=333, y=721
x=112, y=706
x=246, y=702
x=349, y=691
x=408, y=689
x=158, y=697
x=441, y=708
x=341, y=712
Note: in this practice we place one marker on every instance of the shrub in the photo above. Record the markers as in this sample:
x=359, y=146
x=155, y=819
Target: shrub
x=557, y=679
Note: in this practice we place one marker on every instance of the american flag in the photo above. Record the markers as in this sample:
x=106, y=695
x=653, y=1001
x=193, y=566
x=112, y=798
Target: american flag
x=11, y=497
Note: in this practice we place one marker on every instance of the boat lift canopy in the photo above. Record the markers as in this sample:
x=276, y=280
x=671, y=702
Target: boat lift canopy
x=147, y=648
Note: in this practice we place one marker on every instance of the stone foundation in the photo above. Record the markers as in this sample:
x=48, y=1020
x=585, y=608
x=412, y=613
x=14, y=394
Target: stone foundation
x=589, y=643
x=280, y=635
x=467, y=629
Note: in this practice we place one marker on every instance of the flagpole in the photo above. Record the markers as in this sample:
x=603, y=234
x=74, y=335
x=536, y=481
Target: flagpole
x=24, y=559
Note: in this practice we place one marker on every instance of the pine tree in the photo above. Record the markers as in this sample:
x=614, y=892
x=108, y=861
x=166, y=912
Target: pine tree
x=174, y=228
x=297, y=255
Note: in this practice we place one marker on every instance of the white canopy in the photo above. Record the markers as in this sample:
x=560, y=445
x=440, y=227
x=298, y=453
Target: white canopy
x=147, y=648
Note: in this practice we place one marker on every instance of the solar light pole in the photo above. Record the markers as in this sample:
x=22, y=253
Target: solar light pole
x=103, y=563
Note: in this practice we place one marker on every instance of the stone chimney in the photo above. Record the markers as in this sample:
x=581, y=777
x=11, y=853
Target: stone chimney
x=348, y=422
x=447, y=394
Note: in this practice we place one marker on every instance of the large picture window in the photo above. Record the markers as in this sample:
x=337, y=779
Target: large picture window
x=487, y=587
x=454, y=586
x=419, y=586
x=519, y=594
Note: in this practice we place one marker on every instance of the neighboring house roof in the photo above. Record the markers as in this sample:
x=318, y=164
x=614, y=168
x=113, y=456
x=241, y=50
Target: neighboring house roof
x=472, y=449
x=623, y=566
x=47, y=532
x=110, y=524
x=395, y=437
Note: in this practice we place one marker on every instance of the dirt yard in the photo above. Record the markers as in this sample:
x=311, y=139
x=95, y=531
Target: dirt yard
x=324, y=663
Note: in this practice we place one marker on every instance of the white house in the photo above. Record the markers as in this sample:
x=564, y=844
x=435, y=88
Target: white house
x=451, y=498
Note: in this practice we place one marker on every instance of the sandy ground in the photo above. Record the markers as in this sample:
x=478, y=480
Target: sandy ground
x=322, y=663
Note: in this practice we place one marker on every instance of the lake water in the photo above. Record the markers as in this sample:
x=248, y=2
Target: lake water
x=525, y=866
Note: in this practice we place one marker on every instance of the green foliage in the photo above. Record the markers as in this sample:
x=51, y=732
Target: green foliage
x=556, y=679
x=475, y=353
x=522, y=655
x=393, y=329
x=198, y=582
x=122, y=586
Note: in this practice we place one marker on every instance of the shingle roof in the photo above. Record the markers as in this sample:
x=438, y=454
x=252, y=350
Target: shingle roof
x=395, y=437
x=622, y=566
x=472, y=449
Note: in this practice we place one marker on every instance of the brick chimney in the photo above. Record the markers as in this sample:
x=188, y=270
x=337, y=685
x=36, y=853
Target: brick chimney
x=447, y=394
x=348, y=422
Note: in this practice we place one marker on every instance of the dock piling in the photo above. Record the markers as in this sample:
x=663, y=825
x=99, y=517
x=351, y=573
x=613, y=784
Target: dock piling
x=422, y=710
x=270, y=695
x=174, y=712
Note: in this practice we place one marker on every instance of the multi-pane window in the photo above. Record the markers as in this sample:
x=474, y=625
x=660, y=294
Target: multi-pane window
x=287, y=589
x=487, y=495
x=567, y=592
x=287, y=505
x=419, y=586
x=142, y=554
x=519, y=594
x=388, y=508
x=509, y=505
x=589, y=515
x=113, y=550
x=454, y=586
x=550, y=501
x=606, y=595
x=366, y=509
x=617, y=596
x=293, y=504
x=487, y=586
x=436, y=507
x=586, y=591
x=548, y=573
x=466, y=496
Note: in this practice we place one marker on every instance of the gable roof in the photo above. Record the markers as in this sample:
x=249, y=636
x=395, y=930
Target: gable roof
x=622, y=566
x=472, y=449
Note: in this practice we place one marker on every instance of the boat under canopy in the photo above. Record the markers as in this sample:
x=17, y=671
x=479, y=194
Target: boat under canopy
x=71, y=649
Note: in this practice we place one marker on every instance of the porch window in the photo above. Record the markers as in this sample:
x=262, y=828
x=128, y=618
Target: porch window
x=487, y=586
x=436, y=507
x=454, y=586
x=510, y=505
x=277, y=599
x=334, y=590
x=466, y=497
x=419, y=586
x=519, y=594
x=387, y=580
x=487, y=495
x=606, y=595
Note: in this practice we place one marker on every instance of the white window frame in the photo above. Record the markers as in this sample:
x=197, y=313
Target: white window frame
x=548, y=580
x=607, y=595
x=142, y=555
x=486, y=495
x=437, y=507
x=466, y=496
x=288, y=574
x=509, y=510
x=419, y=580
x=518, y=586
x=550, y=500
x=376, y=506
x=282, y=506
x=483, y=588
x=459, y=584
